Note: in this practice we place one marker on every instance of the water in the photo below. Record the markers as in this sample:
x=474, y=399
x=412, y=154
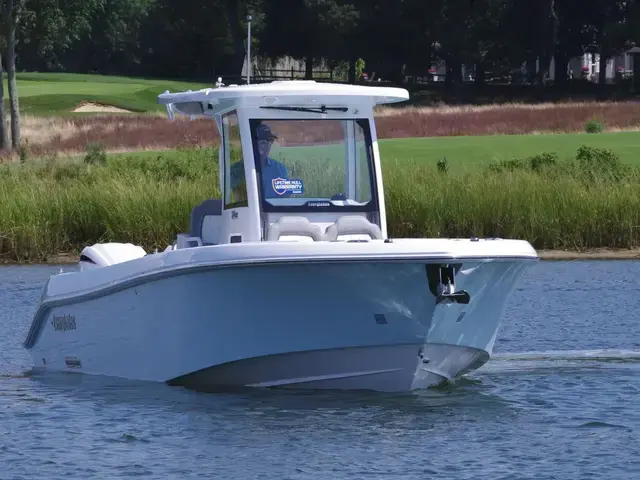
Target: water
x=560, y=400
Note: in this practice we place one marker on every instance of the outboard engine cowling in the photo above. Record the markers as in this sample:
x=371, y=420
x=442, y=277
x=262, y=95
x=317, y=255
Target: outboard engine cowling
x=105, y=254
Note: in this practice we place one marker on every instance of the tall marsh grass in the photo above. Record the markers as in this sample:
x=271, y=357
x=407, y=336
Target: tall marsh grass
x=53, y=206
x=550, y=211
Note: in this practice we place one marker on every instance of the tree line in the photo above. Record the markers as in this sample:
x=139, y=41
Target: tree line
x=203, y=39
x=200, y=40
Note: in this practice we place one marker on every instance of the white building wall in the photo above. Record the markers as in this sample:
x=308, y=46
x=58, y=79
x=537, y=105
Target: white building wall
x=591, y=64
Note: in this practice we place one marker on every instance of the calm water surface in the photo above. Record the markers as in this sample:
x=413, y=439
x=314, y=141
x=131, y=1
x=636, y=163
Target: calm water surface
x=560, y=400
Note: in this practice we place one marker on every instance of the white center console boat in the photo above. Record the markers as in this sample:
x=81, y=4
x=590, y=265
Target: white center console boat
x=290, y=279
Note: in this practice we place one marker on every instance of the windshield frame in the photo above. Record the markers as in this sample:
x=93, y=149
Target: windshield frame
x=370, y=206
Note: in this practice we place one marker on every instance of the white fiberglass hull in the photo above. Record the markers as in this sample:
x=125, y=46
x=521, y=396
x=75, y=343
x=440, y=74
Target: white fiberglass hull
x=340, y=325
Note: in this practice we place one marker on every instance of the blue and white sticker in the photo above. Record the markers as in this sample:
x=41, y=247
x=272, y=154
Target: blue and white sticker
x=287, y=185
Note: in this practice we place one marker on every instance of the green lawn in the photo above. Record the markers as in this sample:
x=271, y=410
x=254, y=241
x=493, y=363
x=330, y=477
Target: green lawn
x=468, y=153
x=60, y=93
x=474, y=151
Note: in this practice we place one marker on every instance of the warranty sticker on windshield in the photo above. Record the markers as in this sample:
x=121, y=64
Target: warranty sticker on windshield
x=284, y=185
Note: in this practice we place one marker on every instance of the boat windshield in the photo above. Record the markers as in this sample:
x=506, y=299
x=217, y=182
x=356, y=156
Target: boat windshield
x=314, y=164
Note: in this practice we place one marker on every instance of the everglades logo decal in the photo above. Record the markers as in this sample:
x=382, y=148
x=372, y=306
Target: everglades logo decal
x=72, y=362
x=285, y=185
x=63, y=323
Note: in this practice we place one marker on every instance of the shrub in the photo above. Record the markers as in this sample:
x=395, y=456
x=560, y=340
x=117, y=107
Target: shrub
x=443, y=165
x=591, y=165
x=23, y=151
x=507, y=166
x=96, y=154
x=536, y=163
x=543, y=161
x=600, y=164
x=594, y=126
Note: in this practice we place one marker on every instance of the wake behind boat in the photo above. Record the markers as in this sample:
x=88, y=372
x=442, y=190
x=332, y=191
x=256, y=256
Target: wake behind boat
x=289, y=279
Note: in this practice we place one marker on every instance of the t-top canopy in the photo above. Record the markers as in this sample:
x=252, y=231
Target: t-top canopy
x=211, y=101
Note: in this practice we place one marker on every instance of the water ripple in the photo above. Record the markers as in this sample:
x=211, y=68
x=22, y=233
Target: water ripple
x=557, y=401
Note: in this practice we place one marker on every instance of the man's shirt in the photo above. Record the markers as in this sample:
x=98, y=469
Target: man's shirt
x=271, y=170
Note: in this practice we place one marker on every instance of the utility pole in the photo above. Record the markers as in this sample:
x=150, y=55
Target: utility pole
x=249, y=50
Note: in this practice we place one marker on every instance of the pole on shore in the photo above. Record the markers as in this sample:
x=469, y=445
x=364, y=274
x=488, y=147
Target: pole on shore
x=249, y=50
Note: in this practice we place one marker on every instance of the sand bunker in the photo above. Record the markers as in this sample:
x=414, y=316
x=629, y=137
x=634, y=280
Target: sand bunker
x=94, y=107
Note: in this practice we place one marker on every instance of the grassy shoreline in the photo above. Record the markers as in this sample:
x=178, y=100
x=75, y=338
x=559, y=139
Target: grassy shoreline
x=580, y=205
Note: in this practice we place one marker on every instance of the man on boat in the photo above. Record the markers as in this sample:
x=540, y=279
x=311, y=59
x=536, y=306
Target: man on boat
x=271, y=169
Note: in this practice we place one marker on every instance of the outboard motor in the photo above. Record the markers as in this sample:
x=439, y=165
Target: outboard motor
x=442, y=284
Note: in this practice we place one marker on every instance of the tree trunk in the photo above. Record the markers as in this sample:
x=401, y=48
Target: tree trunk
x=237, y=36
x=352, y=71
x=454, y=71
x=12, y=20
x=480, y=74
x=398, y=76
x=562, y=62
x=308, y=68
x=4, y=133
x=636, y=73
x=448, y=76
x=602, y=75
x=550, y=44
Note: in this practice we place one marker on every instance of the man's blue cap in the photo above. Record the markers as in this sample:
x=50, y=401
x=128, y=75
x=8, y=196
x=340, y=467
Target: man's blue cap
x=263, y=132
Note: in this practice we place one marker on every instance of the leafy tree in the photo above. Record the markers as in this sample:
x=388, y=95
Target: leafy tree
x=530, y=32
x=112, y=44
x=608, y=27
x=573, y=37
x=182, y=39
x=48, y=29
x=393, y=37
x=308, y=30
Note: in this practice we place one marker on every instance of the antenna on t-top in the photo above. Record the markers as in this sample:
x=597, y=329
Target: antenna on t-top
x=249, y=49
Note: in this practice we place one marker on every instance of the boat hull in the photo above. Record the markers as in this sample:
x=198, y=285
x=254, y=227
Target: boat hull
x=388, y=368
x=341, y=325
